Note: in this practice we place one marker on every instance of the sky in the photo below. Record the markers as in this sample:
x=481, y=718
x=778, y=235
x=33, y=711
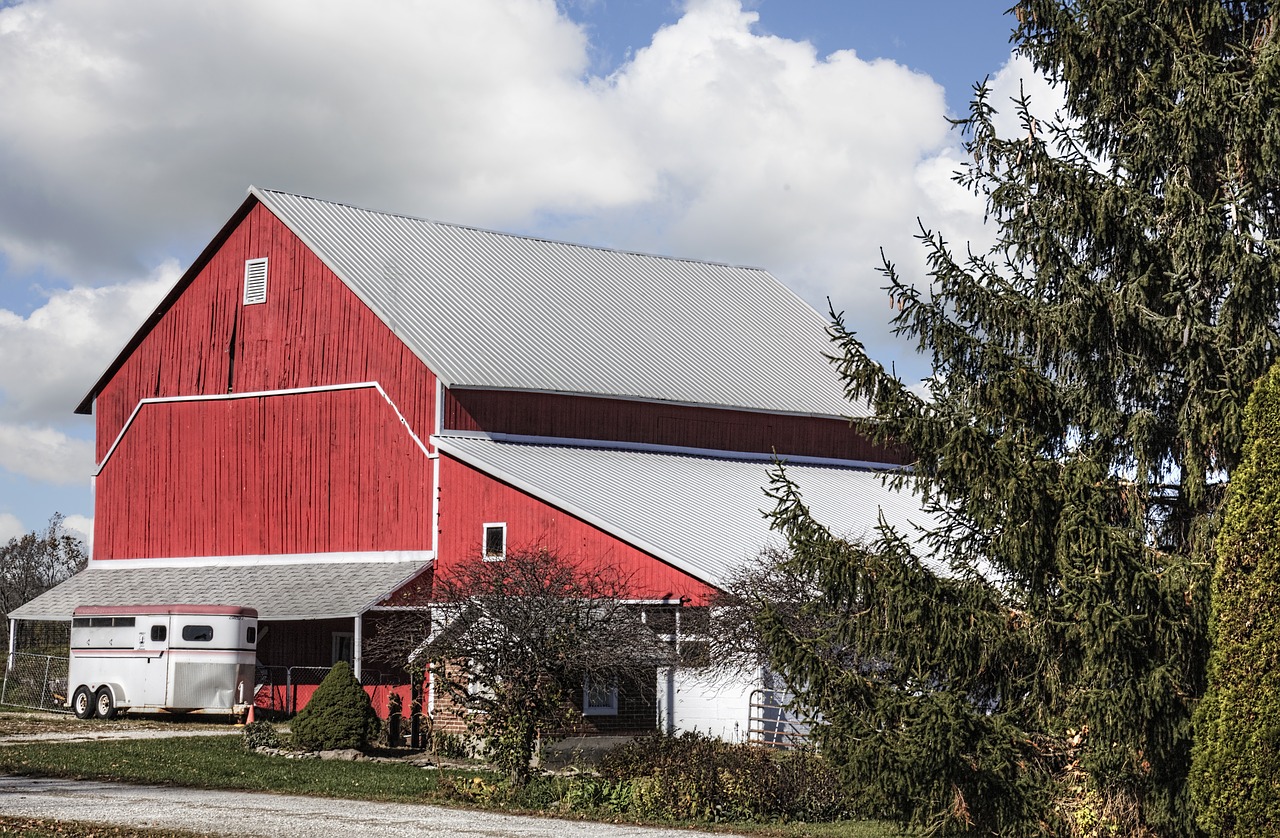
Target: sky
x=801, y=136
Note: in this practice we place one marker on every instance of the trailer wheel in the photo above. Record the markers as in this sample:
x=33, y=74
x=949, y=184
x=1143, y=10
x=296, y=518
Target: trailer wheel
x=104, y=704
x=82, y=703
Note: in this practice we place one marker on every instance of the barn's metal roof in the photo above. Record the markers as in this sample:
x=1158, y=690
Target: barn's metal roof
x=278, y=591
x=703, y=515
x=498, y=311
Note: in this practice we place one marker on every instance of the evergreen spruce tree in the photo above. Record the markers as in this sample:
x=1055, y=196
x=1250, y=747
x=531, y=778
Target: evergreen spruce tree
x=1089, y=380
x=1236, y=764
x=339, y=714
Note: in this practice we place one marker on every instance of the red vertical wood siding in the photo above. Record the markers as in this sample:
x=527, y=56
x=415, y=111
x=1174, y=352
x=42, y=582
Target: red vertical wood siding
x=311, y=331
x=301, y=473
x=621, y=420
x=469, y=499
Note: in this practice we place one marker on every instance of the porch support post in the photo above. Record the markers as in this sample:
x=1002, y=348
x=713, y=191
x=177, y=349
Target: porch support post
x=13, y=642
x=356, y=643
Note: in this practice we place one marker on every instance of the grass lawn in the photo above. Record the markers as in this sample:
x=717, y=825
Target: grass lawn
x=221, y=762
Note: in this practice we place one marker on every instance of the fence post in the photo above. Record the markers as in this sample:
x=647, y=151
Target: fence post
x=44, y=682
x=13, y=642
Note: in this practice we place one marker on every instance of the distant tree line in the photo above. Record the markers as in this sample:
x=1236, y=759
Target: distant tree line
x=33, y=563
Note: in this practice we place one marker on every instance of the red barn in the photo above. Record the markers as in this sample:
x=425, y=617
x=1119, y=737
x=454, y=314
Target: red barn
x=333, y=404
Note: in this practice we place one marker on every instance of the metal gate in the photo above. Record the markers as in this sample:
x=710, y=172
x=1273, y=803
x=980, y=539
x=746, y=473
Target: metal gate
x=35, y=681
x=773, y=724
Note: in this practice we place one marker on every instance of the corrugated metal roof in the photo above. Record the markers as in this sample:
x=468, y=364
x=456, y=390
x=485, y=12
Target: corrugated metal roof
x=296, y=591
x=704, y=515
x=493, y=310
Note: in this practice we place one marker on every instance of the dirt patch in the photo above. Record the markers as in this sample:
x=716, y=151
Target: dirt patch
x=57, y=828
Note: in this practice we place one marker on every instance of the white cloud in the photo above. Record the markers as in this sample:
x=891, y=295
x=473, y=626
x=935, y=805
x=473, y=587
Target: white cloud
x=45, y=454
x=54, y=355
x=10, y=527
x=1019, y=78
x=138, y=120
x=767, y=152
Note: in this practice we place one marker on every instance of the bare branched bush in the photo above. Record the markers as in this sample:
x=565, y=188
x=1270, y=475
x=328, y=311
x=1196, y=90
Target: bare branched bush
x=513, y=642
x=738, y=634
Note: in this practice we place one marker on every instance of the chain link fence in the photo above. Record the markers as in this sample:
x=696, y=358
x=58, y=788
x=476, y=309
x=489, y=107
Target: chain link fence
x=287, y=689
x=35, y=681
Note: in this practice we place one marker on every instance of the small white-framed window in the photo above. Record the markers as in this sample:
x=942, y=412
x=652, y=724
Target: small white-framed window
x=255, y=281
x=477, y=688
x=495, y=542
x=344, y=647
x=599, y=696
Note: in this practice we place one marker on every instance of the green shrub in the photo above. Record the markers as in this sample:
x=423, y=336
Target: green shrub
x=448, y=745
x=338, y=715
x=260, y=735
x=593, y=794
x=1236, y=758
x=694, y=777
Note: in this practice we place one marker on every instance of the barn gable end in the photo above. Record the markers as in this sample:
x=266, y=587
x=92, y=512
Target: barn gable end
x=311, y=331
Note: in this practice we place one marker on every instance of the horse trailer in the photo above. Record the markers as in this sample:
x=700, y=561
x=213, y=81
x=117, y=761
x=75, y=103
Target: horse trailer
x=161, y=659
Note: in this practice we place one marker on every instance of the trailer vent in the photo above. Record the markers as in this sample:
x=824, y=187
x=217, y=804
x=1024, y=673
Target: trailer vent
x=204, y=685
x=255, y=281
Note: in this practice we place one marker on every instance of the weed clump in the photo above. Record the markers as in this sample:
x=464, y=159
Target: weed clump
x=260, y=735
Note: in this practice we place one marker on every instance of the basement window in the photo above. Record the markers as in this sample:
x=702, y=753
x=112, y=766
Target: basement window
x=599, y=696
x=495, y=542
x=255, y=281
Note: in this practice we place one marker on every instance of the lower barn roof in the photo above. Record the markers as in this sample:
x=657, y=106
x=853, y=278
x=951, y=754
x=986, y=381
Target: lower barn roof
x=702, y=514
x=277, y=590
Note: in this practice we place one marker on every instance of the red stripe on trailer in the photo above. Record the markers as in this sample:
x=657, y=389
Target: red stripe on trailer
x=150, y=610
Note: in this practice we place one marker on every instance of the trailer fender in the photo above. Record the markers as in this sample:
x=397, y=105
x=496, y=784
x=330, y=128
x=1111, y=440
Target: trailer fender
x=114, y=702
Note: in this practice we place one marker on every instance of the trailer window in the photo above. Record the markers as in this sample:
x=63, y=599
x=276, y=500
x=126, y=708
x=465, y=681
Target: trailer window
x=102, y=622
x=251, y=634
x=159, y=633
x=197, y=634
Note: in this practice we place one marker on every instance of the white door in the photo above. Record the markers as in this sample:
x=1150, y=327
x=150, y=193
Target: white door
x=153, y=663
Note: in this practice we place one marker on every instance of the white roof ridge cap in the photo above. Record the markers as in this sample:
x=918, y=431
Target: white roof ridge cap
x=262, y=192
x=622, y=447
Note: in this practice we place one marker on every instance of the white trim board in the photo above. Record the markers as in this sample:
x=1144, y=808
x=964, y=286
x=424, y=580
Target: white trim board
x=261, y=394
x=370, y=557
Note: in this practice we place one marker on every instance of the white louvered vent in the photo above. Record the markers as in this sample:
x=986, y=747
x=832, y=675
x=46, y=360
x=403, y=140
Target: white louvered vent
x=255, y=281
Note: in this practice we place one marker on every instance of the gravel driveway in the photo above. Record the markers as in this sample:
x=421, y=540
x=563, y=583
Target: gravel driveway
x=253, y=813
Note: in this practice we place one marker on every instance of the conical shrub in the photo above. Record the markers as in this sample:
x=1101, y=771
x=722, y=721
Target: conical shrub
x=339, y=714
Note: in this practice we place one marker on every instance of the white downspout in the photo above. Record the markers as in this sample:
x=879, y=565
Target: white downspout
x=435, y=471
x=356, y=642
x=431, y=691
